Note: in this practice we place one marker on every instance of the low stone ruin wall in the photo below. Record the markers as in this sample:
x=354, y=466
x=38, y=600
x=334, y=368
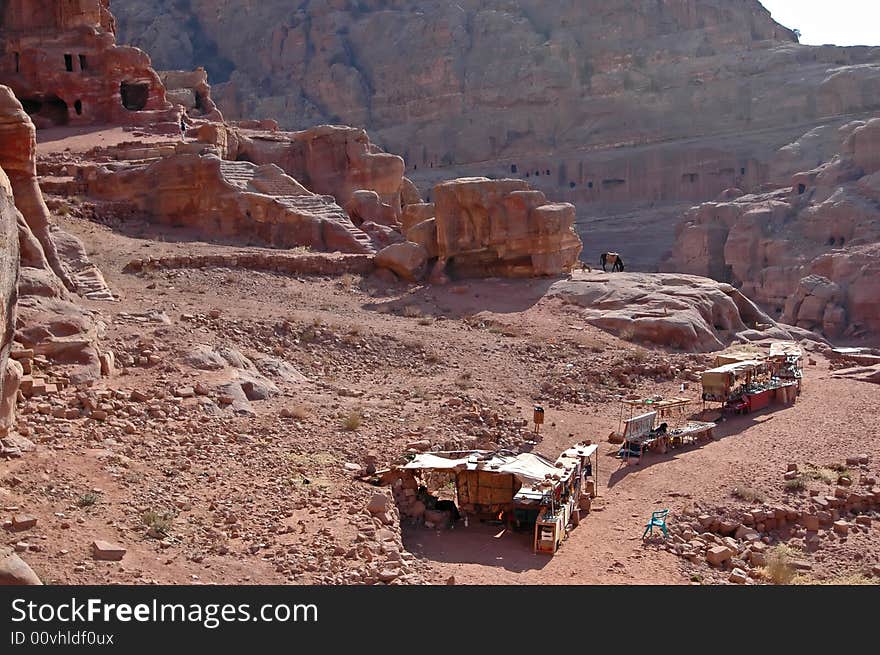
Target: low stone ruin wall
x=311, y=264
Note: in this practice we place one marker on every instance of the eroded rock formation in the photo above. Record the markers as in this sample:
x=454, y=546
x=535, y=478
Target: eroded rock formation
x=191, y=90
x=231, y=200
x=499, y=227
x=615, y=105
x=679, y=311
x=809, y=251
x=49, y=323
x=329, y=159
x=10, y=371
x=18, y=158
x=61, y=60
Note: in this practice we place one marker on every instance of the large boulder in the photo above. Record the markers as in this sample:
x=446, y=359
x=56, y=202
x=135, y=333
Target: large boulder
x=366, y=207
x=503, y=227
x=15, y=571
x=408, y=260
x=425, y=234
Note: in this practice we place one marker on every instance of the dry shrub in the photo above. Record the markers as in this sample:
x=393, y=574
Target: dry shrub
x=352, y=421
x=463, y=381
x=779, y=569
x=639, y=356
x=841, y=470
x=822, y=473
x=795, y=485
x=300, y=412
x=628, y=333
x=421, y=392
x=158, y=524
x=747, y=493
x=590, y=342
x=87, y=499
x=411, y=311
x=847, y=580
x=308, y=335
x=346, y=281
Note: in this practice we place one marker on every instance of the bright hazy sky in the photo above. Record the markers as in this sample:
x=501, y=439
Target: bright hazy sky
x=841, y=22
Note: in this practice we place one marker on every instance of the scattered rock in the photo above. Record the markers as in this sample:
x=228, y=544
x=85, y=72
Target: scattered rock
x=107, y=551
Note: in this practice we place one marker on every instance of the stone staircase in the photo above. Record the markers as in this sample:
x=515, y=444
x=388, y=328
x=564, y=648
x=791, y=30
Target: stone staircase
x=238, y=173
x=296, y=199
x=90, y=283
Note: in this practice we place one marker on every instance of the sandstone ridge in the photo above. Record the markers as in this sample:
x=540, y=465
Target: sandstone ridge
x=808, y=252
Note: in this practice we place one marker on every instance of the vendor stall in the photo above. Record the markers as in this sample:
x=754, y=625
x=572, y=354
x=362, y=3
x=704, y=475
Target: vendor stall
x=787, y=363
x=667, y=409
x=725, y=382
x=525, y=489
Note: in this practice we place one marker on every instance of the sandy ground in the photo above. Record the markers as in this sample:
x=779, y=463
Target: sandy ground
x=82, y=139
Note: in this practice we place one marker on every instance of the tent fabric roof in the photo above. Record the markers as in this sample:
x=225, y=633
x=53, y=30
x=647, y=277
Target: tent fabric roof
x=785, y=348
x=736, y=367
x=737, y=356
x=527, y=467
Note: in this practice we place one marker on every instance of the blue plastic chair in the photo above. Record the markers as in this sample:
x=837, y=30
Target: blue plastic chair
x=657, y=519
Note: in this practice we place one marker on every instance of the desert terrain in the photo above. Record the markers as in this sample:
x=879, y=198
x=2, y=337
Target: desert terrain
x=369, y=368
x=216, y=334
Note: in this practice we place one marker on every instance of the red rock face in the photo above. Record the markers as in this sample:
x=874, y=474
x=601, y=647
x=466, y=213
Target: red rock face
x=47, y=320
x=229, y=200
x=808, y=252
x=61, y=60
x=502, y=227
x=190, y=89
x=598, y=102
x=330, y=159
x=8, y=279
x=18, y=159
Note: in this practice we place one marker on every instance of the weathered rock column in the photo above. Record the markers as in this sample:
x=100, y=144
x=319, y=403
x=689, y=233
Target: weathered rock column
x=10, y=371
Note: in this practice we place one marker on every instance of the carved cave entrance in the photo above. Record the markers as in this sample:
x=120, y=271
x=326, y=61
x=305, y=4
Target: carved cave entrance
x=134, y=95
x=50, y=108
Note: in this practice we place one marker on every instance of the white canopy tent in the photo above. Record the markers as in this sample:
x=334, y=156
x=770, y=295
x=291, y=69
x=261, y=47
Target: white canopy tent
x=528, y=468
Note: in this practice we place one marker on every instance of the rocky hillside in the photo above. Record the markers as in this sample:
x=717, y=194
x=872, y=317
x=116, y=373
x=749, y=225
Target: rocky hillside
x=808, y=250
x=615, y=105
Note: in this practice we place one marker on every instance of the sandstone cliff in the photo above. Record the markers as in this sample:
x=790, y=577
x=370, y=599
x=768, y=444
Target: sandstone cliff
x=502, y=227
x=616, y=105
x=18, y=158
x=808, y=251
